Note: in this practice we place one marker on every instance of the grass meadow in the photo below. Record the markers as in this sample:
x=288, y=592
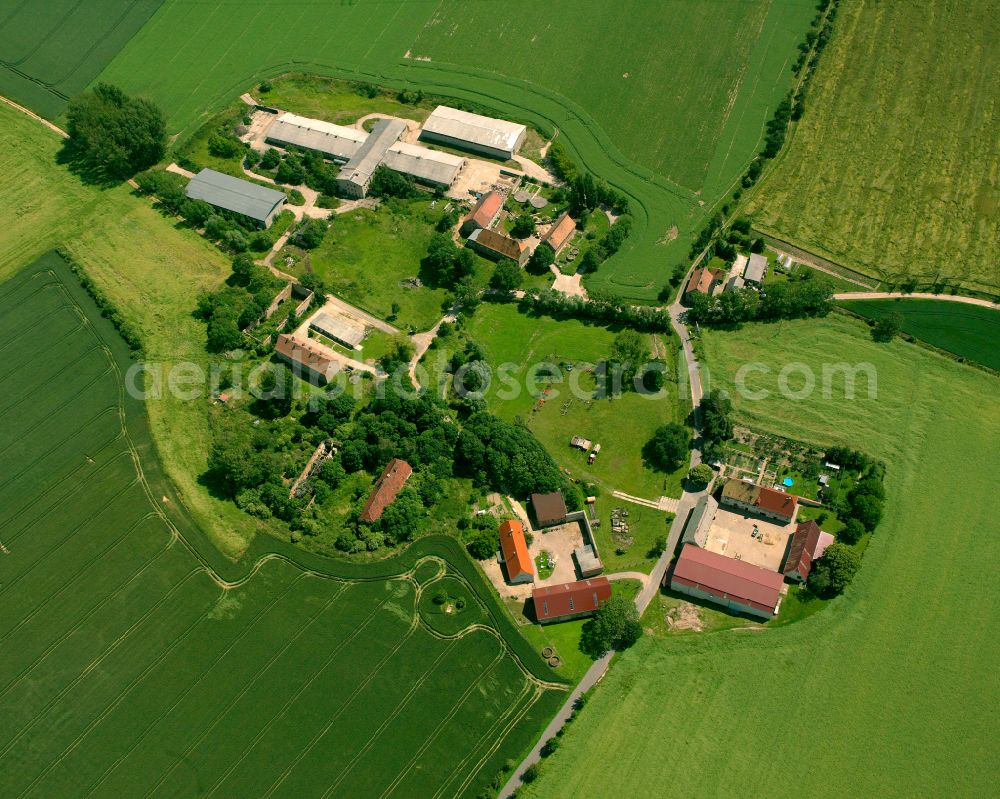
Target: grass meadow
x=893, y=169
x=135, y=661
x=675, y=152
x=896, y=672
x=968, y=331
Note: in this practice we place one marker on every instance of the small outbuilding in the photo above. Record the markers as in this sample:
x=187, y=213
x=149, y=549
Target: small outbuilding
x=561, y=233
x=549, y=509
x=755, y=270
x=237, y=196
x=497, y=246
x=570, y=600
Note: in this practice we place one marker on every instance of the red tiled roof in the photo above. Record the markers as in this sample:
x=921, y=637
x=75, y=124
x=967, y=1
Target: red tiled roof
x=701, y=281
x=569, y=599
x=386, y=488
x=727, y=578
x=777, y=502
x=561, y=232
x=304, y=352
x=808, y=544
x=515, y=550
x=498, y=243
x=486, y=209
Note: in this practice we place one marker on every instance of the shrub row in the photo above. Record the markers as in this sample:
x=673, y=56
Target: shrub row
x=108, y=309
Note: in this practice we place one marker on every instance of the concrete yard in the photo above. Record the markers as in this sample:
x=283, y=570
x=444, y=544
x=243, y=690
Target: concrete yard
x=731, y=535
x=560, y=540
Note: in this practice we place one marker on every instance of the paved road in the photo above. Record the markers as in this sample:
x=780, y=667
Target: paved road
x=895, y=295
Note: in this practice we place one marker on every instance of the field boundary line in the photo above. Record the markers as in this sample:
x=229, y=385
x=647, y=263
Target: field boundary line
x=27, y=112
x=107, y=652
x=264, y=611
x=246, y=688
x=443, y=723
x=536, y=692
x=354, y=695
x=488, y=734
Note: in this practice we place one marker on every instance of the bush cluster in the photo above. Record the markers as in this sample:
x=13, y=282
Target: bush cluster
x=603, y=311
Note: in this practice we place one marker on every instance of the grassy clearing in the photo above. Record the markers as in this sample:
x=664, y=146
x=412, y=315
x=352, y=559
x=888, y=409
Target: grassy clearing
x=968, y=331
x=518, y=344
x=369, y=258
x=883, y=674
x=910, y=191
x=123, y=653
x=675, y=153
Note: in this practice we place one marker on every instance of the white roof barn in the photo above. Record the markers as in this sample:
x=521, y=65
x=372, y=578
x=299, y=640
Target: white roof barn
x=495, y=137
x=756, y=268
x=335, y=141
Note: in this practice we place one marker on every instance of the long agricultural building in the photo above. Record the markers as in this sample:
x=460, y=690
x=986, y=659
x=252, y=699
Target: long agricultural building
x=494, y=137
x=362, y=153
x=237, y=196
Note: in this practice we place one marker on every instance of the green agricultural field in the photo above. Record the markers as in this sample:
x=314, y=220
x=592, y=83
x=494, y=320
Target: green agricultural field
x=968, y=331
x=53, y=50
x=136, y=661
x=672, y=128
x=894, y=673
x=893, y=170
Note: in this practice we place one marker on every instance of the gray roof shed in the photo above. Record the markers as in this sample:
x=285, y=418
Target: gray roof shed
x=756, y=267
x=232, y=194
x=493, y=134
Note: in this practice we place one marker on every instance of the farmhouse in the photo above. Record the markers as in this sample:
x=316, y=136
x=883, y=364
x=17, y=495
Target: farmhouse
x=808, y=544
x=549, y=509
x=494, y=137
x=755, y=270
x=570, y=600
x=484, y=215
x=242, y=197
x=339, y=328
x=561, y=233
x=386, y=488
x=497, y=246
x=703, y=281
x=734, y=584
x=514, y=555
x=306, y=356
x=357, y=173
x=753, y=498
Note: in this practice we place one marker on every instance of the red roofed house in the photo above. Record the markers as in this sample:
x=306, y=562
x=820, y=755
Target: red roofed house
x=484, y=215
x=560, y=233
x=703, y=281
x=495, y=246
x=308, y=355
x=734, y=584
x=386, y=488
x=514, y=555
x=570, y=600
x=808, y=544
x=768, y=502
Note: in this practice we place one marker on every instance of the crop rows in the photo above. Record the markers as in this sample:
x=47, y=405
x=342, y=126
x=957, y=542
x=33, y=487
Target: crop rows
x=129, y=669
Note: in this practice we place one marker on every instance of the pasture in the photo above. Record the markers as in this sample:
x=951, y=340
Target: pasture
x=895, y=672
x=893, y=169
x=135, y=660
x=675, y=152
x=968, y=331
x=53, y=50
x=517, y=346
